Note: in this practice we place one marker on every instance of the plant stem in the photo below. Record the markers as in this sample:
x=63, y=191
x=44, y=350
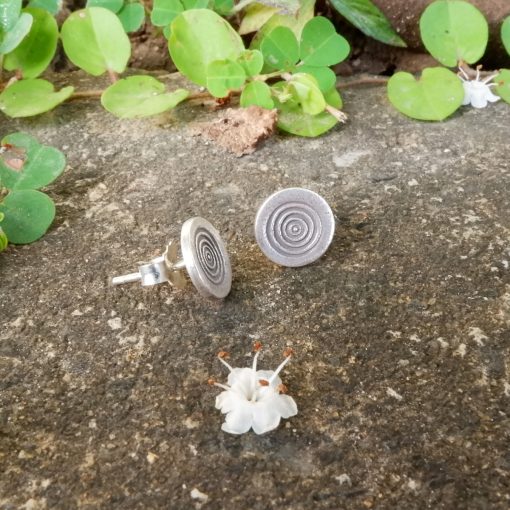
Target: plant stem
x=361, y=82
x=86, y=94
x=114, y=77
x=339, y=115
x=241, y=5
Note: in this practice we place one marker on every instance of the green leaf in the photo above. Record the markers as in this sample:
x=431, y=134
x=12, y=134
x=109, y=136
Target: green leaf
x=111, y=5
x=132, y=16
x=95, y=41
x=28, y=215
x=38, y=48
x=165, y=11
x=199, y=37
x=321, y=45
x=140, y=96
x=255, y=16
x=454, y=30
x=224, y=76
x=368, y=18
x=257, y=93
x=435, y=96
x=503, y=84
x=295, y=23
x=14, y=37
x=52, y=6
x=26, y=98
x=223, y=7
x=280, y=49
x=42, y=164
x=505, y=34
x=195, y=4
x=292, y=119
x=3, y=240
x=251, y=61
x=9, y=13
x=325, y=77
x=307, y=93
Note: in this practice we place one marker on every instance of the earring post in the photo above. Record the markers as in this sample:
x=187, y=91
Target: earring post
x=127, y=278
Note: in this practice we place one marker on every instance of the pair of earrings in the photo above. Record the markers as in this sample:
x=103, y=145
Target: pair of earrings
x=293, y=227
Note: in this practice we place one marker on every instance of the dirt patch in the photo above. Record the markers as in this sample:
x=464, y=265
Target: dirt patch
x=239, y=130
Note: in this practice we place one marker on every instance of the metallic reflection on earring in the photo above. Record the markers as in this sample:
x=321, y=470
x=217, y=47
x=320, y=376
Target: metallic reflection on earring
x=294, y=227
x=204, y=257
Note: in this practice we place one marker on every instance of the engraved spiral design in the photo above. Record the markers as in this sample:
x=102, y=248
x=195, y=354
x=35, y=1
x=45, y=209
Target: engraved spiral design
x=293, y=229
x=209, y=255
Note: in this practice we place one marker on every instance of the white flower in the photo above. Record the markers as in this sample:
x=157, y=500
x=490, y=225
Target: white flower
x=477, y=92
x=254, y=399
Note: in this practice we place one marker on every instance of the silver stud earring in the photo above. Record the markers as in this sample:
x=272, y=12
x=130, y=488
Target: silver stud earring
x=204, y=256
x=294, y=227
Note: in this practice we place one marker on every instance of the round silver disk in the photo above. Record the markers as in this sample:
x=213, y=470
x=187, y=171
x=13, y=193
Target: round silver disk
x=206, y=258
x=294, y=227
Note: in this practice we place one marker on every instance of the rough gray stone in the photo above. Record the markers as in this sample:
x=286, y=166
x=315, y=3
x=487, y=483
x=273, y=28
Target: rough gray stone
x=401, y=331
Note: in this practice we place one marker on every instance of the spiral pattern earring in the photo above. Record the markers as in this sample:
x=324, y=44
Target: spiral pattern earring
x=294, y=227
x=204, y=256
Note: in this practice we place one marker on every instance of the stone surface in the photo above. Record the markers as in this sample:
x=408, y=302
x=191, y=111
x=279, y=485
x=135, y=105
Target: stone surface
x=401, y=331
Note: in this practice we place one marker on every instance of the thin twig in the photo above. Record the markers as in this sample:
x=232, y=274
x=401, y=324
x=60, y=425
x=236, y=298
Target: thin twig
x=89, y=94
x=361, y=82
x=86, y=94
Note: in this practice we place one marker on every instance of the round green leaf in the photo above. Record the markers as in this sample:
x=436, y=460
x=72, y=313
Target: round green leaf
x=503, y=84
x=9, y=14
x=140, y=96
x=307, y=93
x=165, y=11
x=505, y=34
x=292, y=119
x=199, y=37
x=325, y=77
x=195, y=4
x=132, y=16
x=435, y=96
x=52, y=6
x=95, y=41
x=3, y=240
x=37, y=49
x=251, y=61
x=224, y=76
x=280, y=49
x=26, y=98
x=255, y=16
x=16, y=34
x=28, y=215
x=223, y=7
x=111, y=5
x=368, y=18
x=454, y=30
x=42, y=164
x=257, y=93
x=321, y=45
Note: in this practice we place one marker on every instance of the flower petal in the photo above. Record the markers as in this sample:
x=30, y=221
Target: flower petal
x=265, y=417
x=285, y=405
x=226, y=401
x=492, y=97
x=478, y=100
x=238, y=421
x=242, y=376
